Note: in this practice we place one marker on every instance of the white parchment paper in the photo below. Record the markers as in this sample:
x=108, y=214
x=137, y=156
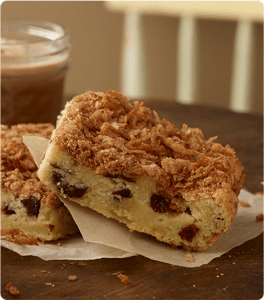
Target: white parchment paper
x=106, y=238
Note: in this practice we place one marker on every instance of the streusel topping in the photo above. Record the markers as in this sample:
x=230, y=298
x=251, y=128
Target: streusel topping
x=111, y=135
x=18, y=169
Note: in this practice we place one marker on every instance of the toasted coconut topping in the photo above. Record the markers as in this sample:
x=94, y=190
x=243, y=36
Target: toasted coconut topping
x=111, y=135
x=18, y=169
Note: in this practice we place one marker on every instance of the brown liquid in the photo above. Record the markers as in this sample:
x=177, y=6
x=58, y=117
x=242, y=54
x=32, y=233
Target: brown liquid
x=33, y=95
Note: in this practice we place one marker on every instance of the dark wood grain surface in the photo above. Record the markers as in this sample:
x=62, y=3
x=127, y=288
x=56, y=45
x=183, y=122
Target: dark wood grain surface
x=237, y=274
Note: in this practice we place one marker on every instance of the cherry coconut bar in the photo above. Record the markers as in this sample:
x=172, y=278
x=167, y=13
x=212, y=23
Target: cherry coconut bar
x=27, y=204
x=121, y=160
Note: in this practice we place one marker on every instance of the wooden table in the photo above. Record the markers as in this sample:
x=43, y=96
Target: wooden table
x=237, y=274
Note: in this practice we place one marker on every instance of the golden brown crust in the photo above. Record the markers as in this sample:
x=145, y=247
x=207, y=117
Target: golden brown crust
x=17, y=236
x=18, y=169
x=109, y=134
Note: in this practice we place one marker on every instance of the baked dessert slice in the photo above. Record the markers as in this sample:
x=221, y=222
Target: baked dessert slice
x=27, y=205
x=124, y=162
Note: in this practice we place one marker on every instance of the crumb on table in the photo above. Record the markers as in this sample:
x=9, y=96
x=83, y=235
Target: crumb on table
x=72, y=277
x=259, y=218
x=11, y=289
x=244, y=203
x=124, y=279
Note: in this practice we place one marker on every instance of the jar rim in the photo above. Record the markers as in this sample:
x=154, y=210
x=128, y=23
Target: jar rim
x=35, y=37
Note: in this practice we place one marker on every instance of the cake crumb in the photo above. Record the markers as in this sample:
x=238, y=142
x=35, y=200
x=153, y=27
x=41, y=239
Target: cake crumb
x=17, y=236
x=72, y=277
x=259, y=193
x=189, y=256
x=11, y=289
x=124, y=279
x=244, y=203
x=81, y=264
x=259, y=218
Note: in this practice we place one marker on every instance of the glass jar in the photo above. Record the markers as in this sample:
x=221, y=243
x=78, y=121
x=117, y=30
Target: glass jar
x=34, y=61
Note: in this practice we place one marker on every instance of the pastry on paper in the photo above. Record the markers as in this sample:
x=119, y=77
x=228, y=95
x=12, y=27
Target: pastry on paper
x=28, y=207
x=121, y=160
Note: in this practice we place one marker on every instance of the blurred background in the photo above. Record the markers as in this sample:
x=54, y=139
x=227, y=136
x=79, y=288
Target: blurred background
x=193, y=52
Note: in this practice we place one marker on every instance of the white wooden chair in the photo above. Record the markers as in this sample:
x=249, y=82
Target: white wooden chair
x=134, y=56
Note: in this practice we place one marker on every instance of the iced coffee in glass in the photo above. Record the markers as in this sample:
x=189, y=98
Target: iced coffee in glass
x=34, y=62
